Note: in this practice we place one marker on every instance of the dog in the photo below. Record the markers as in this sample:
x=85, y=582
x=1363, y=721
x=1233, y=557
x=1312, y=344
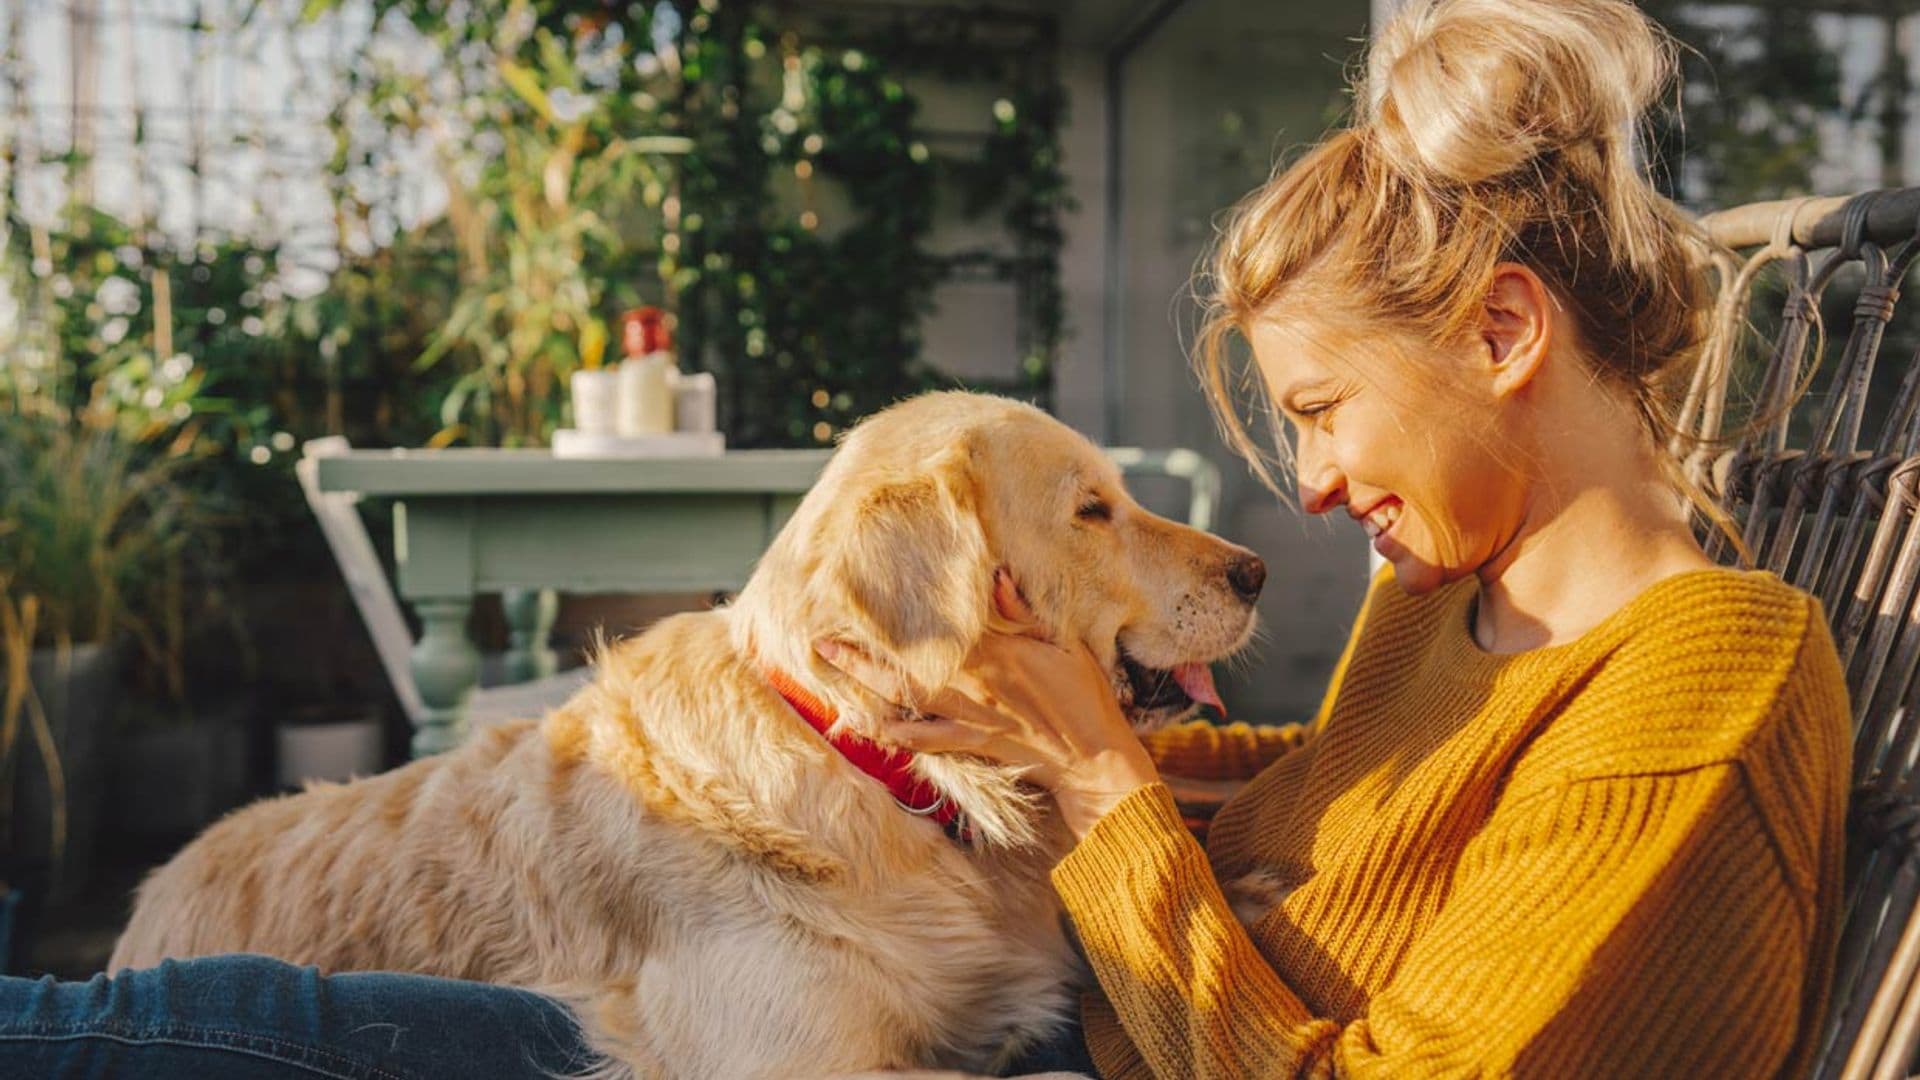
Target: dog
x=681, y=856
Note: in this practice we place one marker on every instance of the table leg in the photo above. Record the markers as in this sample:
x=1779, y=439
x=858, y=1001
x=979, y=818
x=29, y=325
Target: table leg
x=446, y=668
x=530, y=614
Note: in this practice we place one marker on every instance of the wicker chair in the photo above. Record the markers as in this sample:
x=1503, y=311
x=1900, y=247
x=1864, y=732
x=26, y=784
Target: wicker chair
x=1833, y=511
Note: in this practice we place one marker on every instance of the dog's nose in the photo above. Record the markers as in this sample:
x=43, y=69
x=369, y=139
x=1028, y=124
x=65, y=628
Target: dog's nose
x=1247, y=575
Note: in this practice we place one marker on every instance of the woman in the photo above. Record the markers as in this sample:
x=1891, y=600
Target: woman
x=1574, y=803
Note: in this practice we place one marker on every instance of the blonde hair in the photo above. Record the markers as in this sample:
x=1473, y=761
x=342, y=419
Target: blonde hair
x=1486, y=131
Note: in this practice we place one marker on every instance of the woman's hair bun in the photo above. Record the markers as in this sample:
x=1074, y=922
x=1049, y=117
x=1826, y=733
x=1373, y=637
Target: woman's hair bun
x=1464, y=91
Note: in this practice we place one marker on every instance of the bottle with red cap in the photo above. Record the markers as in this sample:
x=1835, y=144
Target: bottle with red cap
x=647, y=374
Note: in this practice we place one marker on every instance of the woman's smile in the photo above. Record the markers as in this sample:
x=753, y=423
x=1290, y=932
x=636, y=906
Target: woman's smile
x=1379, y=520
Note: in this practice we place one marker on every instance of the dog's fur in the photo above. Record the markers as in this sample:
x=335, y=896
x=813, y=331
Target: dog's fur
x=681, y=858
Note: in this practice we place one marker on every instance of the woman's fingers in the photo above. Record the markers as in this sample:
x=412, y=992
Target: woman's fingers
x=914, y=730
x=855, y=663
x=1013, y=606
x=930, y=734
x=949, y=702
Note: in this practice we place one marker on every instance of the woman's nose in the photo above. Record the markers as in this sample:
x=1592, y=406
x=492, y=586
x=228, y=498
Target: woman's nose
x=1322, y=488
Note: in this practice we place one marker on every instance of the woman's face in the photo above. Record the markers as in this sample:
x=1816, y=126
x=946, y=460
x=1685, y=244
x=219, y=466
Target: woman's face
x=1410, y=439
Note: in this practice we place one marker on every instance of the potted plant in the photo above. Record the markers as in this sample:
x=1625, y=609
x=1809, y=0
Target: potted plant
x=95, y=538
x=23, y=718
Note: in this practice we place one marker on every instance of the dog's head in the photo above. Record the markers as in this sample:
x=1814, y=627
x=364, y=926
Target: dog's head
x=895, y=548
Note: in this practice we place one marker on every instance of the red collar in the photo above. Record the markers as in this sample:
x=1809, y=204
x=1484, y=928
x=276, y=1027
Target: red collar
x=890, y=767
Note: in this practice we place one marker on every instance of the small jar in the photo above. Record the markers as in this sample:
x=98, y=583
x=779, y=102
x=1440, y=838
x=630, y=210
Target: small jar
x=695, y=398
x=595, y=393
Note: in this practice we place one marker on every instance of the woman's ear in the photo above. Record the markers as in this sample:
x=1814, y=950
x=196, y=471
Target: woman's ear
x=1519, y=327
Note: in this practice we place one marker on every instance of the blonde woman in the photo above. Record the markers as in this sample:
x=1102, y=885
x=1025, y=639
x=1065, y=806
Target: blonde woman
x=1573, y=804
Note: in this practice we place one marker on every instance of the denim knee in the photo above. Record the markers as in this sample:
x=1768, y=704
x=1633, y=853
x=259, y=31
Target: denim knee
x=249, y=1016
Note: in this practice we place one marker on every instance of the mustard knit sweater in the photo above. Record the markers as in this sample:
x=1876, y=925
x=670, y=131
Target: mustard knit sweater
x=1620, y=856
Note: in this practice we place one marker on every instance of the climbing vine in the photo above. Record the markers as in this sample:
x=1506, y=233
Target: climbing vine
x=763, y=174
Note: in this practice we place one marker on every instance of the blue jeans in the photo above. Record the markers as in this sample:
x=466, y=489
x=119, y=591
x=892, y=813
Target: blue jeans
x=1065, y=1052
x=232, y=1017
x=227, y=1017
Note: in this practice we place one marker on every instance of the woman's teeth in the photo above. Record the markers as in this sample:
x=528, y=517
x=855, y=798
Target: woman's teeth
x=1380, y=520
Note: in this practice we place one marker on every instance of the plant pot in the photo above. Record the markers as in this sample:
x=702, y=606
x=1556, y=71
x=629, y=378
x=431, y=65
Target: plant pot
x=9, y=905
x=329, y=745
x=77, y=688
x=171, y=781
x=24, y=883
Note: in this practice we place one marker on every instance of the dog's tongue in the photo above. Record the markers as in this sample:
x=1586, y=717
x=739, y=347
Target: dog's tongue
x=1197, y=681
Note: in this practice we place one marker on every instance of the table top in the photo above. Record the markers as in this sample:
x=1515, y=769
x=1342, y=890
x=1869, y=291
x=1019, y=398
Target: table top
x=480, y=471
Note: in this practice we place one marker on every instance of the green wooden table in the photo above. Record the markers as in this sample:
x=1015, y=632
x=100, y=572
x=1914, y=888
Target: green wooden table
x=527, y=524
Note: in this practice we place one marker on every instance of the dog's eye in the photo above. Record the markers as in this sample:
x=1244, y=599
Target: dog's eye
x=1094, y=510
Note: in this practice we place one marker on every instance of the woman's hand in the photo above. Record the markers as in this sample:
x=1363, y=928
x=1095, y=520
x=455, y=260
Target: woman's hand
x=1021, y=700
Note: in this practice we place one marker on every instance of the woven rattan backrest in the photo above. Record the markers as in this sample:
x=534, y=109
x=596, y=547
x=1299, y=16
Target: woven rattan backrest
x=1830, y=506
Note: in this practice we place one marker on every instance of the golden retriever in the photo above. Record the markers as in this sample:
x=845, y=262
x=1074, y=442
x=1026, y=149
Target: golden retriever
x=714, y=889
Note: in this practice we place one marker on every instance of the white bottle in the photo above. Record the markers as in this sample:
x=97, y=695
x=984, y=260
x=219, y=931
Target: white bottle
x=646, y=375
x=646, y=395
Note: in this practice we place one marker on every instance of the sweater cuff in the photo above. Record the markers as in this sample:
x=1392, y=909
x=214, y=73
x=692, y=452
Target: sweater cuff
x=1140, y=867
x=1141, y=835
x=1139, y=829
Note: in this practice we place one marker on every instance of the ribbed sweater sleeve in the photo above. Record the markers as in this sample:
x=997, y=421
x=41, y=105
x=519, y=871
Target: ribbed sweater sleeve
x=1206, y=751
x=1564, y=949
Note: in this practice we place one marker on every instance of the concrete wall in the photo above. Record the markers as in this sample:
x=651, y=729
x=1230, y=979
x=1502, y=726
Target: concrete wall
x=1209, y=101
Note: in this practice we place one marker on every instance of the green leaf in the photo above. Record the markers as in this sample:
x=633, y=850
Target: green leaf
x=553, y=56
x=466, y=313
x=523, y=82
x=467, y=386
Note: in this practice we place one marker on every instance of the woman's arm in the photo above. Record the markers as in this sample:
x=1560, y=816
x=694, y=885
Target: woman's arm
x=1204, y=764
x=1203, y=750
x=1632, y=925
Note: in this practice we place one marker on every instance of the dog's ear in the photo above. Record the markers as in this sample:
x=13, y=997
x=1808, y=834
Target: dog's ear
x=915, y=569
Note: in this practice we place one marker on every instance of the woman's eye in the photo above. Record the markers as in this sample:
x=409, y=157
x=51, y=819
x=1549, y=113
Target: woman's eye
x=1317, y=413
x=1094, y=510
